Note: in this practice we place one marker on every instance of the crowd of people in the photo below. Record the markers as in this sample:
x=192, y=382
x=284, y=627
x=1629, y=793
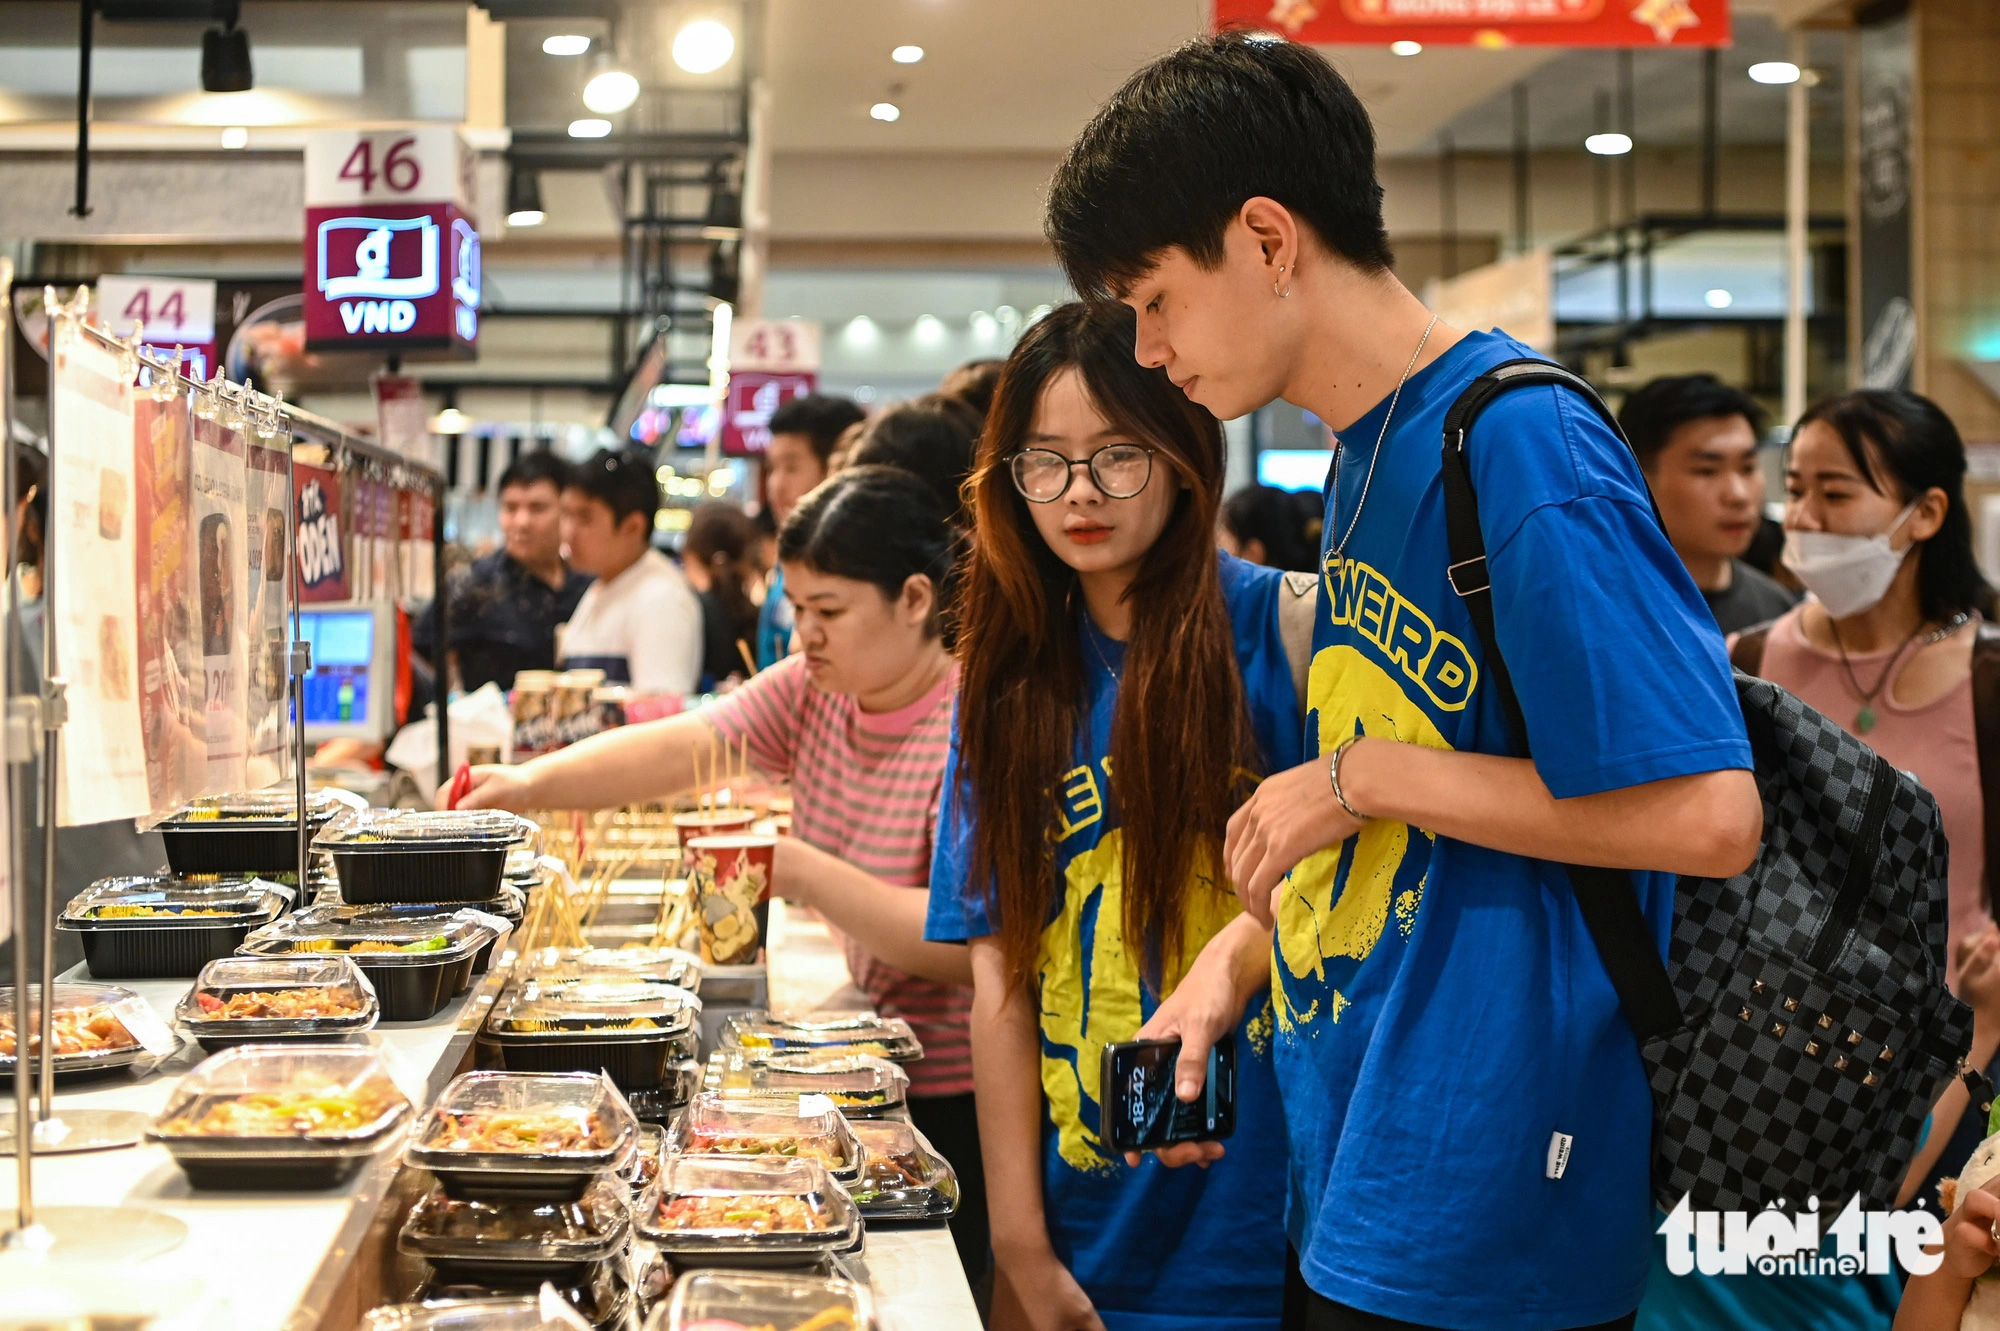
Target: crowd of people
x=1084, y=750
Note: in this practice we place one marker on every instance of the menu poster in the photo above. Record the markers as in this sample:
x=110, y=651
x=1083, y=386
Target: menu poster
x=94, y=594
x=406, y=503
x=382, y=537
x=359, y=549
x=322, y=540
x=268, y=492
x=222, y=573
x=423, y=556
x=170, y=669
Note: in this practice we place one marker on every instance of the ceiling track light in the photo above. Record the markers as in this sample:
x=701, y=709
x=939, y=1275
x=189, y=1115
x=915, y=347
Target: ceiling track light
x=524, y=197
x=610, y=90
x=225, y=56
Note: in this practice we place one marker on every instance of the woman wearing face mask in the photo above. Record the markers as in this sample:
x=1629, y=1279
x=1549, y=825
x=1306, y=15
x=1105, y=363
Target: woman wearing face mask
x=1123, y=684
x=859, y=722
x=1891, y=644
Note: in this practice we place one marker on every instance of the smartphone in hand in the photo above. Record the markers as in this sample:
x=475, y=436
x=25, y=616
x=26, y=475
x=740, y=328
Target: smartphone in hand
x=1141, y=1111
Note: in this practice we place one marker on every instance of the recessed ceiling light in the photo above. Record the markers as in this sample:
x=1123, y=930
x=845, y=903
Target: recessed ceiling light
x=1774, y=71
x=860, y=332
x=907, y=55
x=703, y=46
x=526, y=217
x=886, y=111
x=589, y=129
x=1718, y=299
x=1608, y=145
x=1406, y=48
x=929, y=330
x=235, y=137
x=565, y=43
x=610, y=91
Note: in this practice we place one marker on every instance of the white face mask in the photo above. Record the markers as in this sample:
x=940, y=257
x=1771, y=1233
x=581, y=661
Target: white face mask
x=1848, y=574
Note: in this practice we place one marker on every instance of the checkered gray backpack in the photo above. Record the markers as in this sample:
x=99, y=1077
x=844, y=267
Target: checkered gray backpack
x=1799, y=1029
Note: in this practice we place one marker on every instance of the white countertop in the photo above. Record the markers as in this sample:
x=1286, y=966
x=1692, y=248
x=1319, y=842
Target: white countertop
x=264, y=1261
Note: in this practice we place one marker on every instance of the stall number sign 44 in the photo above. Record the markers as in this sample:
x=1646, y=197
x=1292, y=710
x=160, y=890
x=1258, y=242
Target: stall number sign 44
x=319, y=537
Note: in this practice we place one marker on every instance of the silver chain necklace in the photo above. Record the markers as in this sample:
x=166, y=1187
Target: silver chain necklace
x=1340, y=550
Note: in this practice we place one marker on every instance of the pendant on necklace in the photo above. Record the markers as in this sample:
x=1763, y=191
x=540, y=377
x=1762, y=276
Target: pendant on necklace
x=1864, y=720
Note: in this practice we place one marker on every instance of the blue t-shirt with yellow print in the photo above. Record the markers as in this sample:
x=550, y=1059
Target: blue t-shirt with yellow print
x=1156, y=1249
x=1445, y=1027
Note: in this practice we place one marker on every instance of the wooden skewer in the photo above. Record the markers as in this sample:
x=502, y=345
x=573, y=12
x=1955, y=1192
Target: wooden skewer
x=749, y=661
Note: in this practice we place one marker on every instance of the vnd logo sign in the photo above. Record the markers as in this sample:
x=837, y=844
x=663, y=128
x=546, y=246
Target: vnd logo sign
x=1773, y=1243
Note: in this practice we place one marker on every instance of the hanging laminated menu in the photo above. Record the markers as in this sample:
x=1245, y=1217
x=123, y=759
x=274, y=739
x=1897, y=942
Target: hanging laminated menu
x=93, y=587
x=169, y=661
x=223, y=571
x=268, y=492
x=323, y=554
x=383, y=583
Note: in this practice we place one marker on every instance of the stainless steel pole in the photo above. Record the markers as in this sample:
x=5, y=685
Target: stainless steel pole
x=18, y=786
x=1798, y=164
x=300, y=656
x=54, y=712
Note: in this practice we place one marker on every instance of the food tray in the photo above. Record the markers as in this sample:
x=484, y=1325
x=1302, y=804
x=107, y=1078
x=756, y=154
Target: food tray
x=518, y=1312
x=747, y=1212
x=416, y=962
x=264, y=1117
x=151, y=927
x=903, y=1178
x=252, y=832
x=631, y=1030
x=783, y=1301
x=801, y=1128
x=665, y=965
x=601, y=1298
x=238, y=1000
x=857, y=1084
x=90, y=1036
x=403, y=856
x=522, y=1136
x=854, y=1033
x=515, y=1242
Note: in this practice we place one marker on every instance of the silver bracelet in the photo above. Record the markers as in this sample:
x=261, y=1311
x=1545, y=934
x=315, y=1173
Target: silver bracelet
x=1333, y=776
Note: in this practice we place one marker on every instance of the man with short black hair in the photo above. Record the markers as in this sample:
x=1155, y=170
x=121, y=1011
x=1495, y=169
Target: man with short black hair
x=1696, y=438
x=803, y=434
x=1469, y=1118
x=505, y=608
x=640, y=622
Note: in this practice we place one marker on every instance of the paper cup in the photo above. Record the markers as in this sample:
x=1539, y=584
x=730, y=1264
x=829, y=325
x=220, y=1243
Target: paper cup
x=731, y=876
x=729, y=821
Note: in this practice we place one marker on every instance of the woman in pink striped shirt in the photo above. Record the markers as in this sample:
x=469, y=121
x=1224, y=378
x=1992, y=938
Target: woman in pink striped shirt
x=859, y=721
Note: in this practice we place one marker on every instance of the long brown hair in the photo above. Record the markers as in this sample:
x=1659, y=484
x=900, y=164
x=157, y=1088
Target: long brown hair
x=1180, y=731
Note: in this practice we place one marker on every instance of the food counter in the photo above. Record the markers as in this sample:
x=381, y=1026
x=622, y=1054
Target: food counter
x=257, y=1261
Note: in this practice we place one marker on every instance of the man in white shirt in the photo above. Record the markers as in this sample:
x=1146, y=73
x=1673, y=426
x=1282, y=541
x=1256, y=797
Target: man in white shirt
x=639, y=622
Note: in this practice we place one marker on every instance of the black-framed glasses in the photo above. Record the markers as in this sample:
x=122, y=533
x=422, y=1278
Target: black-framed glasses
x=1119, y=471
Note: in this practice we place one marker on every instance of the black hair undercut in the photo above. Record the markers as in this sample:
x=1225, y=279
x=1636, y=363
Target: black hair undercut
x=623, y=481
x=1651, y=414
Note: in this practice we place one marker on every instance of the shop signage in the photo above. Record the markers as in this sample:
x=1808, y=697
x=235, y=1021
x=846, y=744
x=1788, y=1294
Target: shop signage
x=780, y=346
x=754, y=397
x=170, y=312
x=392, y=246
x=322, y=550
x=1888, y=322
x=1490, y=23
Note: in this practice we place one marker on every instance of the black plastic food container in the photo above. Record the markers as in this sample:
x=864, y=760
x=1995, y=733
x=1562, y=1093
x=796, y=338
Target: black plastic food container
x=168, y=944
x=400, y=857
x=256, y=832
x=410, y=985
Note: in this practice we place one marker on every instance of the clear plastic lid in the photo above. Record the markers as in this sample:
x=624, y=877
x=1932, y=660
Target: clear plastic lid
x=523, y=1122
x=274, y=805
x=269, y=1099
x=903, y=1174
x=88, y=1030
x=804, y=1128
x=277, y=995
x=520, y=1313
x=599, y=1006
x=586, y=1230
x=422, y=829
x=645, y=1166
x=669, y=964
x=854, y=1032
x=718, y=1205
x=724, y=1300
x=376, y=937
x=856, y=1083
x=151, y=900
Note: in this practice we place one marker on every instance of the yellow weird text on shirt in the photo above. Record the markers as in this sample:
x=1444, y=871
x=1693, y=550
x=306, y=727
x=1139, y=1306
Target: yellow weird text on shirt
x=1371, y=690
x=1090, y=985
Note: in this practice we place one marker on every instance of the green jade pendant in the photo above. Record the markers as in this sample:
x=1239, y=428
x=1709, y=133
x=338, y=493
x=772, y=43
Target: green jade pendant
x=1864, y=721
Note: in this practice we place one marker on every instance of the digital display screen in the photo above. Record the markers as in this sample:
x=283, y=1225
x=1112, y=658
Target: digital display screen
x=343, y=648
x=1294, y=468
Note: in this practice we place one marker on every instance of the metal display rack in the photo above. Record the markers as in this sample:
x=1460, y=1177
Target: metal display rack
x=33, y=725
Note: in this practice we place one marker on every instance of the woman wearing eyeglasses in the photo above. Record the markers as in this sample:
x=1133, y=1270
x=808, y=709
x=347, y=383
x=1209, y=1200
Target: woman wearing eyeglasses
x=1104, y=734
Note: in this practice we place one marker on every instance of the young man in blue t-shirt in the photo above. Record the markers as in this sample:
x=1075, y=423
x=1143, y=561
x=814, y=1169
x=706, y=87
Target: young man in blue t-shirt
x=1469, y=1116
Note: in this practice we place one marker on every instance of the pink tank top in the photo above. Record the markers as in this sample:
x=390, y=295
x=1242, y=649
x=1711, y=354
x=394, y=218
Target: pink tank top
x=1935, y=742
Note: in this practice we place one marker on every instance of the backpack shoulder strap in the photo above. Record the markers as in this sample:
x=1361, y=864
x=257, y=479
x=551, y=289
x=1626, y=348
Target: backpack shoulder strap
x=1606, y=898
x=1986, y=731
x=1748, y=653
x=1298, y=601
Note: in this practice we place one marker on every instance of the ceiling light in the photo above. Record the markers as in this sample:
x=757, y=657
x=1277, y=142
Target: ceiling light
x=886, y=111
x=907, y=55
x=1609, y=145
x=984, y=326
x=526, y=217
x=565, y=43
x=703, y=46
x=1406, y=47
x=1717, y=299
x=1774, y=71
x=724, y=218
x=929, y=331
x=610, y=91
x=860, y=332
x=225, y=60
x=450, y=421
x=524, y=197
x=589, y=129
x=235, y=137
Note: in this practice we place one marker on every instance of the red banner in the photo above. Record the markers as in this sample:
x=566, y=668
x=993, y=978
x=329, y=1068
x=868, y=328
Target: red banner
x=754, y=397
x=322, y=551
x=1490, y=23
